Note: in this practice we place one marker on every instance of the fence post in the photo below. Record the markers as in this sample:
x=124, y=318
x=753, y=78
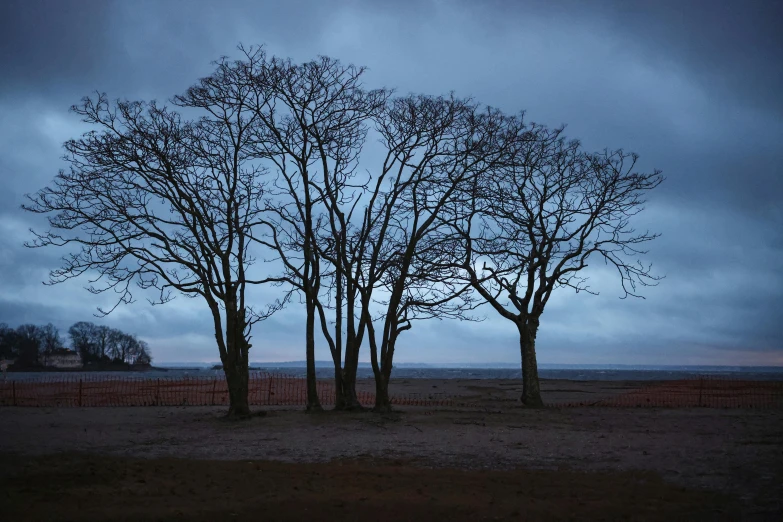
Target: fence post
x=80, y=393
x=269, y=391
x=701, y=389
x=13, y=390
x=214, y=384
x=157, y=392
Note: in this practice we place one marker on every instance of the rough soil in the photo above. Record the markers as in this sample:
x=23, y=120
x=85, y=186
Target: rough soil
x=90, y=487
x=499, y=391
x=498, y=461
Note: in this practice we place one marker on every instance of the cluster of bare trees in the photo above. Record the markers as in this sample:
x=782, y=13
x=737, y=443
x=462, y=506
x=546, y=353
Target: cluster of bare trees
x=373, y=210
x=27, y=343
x=101, y=344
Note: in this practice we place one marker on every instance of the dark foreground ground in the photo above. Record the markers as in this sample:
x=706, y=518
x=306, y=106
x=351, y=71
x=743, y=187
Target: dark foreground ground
x=91, y=487
x=496, y=461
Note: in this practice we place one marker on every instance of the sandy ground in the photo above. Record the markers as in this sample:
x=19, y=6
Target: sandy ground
x=736, y=454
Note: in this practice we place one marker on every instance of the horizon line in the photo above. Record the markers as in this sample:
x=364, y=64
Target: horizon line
x=485, y=364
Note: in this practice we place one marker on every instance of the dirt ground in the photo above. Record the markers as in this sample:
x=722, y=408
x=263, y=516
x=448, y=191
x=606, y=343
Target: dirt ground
x=505, y=391
x=89, y=487
x=498, y=461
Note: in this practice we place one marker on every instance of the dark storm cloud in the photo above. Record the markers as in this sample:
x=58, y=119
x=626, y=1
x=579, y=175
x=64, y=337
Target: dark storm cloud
x=65, y=49
x=692, y=86
x=732, y=48
x=49, y=45
x=713, y=67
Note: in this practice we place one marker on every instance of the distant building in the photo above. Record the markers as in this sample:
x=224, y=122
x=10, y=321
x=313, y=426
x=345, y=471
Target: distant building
x=4, y=364
x=62, y=359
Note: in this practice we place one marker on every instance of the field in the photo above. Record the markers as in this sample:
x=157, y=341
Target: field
x=267, y=389
x=494, y=460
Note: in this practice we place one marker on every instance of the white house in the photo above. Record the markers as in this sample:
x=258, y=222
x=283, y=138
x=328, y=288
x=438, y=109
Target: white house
x=4, y=364
x=62, y=360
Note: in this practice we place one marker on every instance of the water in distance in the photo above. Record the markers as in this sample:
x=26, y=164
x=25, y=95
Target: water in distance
x=325, y=370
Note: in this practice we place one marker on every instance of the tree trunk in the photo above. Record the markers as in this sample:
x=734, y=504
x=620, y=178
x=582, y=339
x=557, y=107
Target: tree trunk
x=339, y=393
x=313, y=403
x=352, y=347
x=345, y=385
x=339, y=387
x=349, y=378
x=383, y=375
x=237, y=380
x=382, y=402
x=351, y=398
x=531, y=391
x=235, y=362
x=380, y=371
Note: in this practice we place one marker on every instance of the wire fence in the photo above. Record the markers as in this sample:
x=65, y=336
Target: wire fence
x=264, y=389
x=270, y=389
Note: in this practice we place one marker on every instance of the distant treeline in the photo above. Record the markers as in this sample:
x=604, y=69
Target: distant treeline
x=28, y=344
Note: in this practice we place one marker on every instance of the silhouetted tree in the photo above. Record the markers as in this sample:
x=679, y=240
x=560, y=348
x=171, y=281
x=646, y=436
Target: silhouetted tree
x=28, y=345
x=139, y=354
x=102, y=339
x=121, y=345
x=165, y=203
x=313, y=127
x=537, y=220
x=435, y=147
x=83, y=340
x=50, y=339
x=8, y=342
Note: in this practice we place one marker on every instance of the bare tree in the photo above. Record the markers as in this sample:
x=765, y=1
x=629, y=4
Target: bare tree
x=50, y=338
x=435, y=147
x=122, y=346
x=340, y=138
x=139, y=354
x=28, y=345
x=82, y=335
x=313, y=118
x=161, y=202
x=102, y=336
x=539, y=218
x=8, y=342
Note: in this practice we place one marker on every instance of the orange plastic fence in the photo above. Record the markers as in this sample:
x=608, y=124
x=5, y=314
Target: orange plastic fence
x=704, y=391
x=267, y=389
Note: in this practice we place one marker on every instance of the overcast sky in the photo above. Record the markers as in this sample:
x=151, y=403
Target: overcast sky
x=692, y=86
